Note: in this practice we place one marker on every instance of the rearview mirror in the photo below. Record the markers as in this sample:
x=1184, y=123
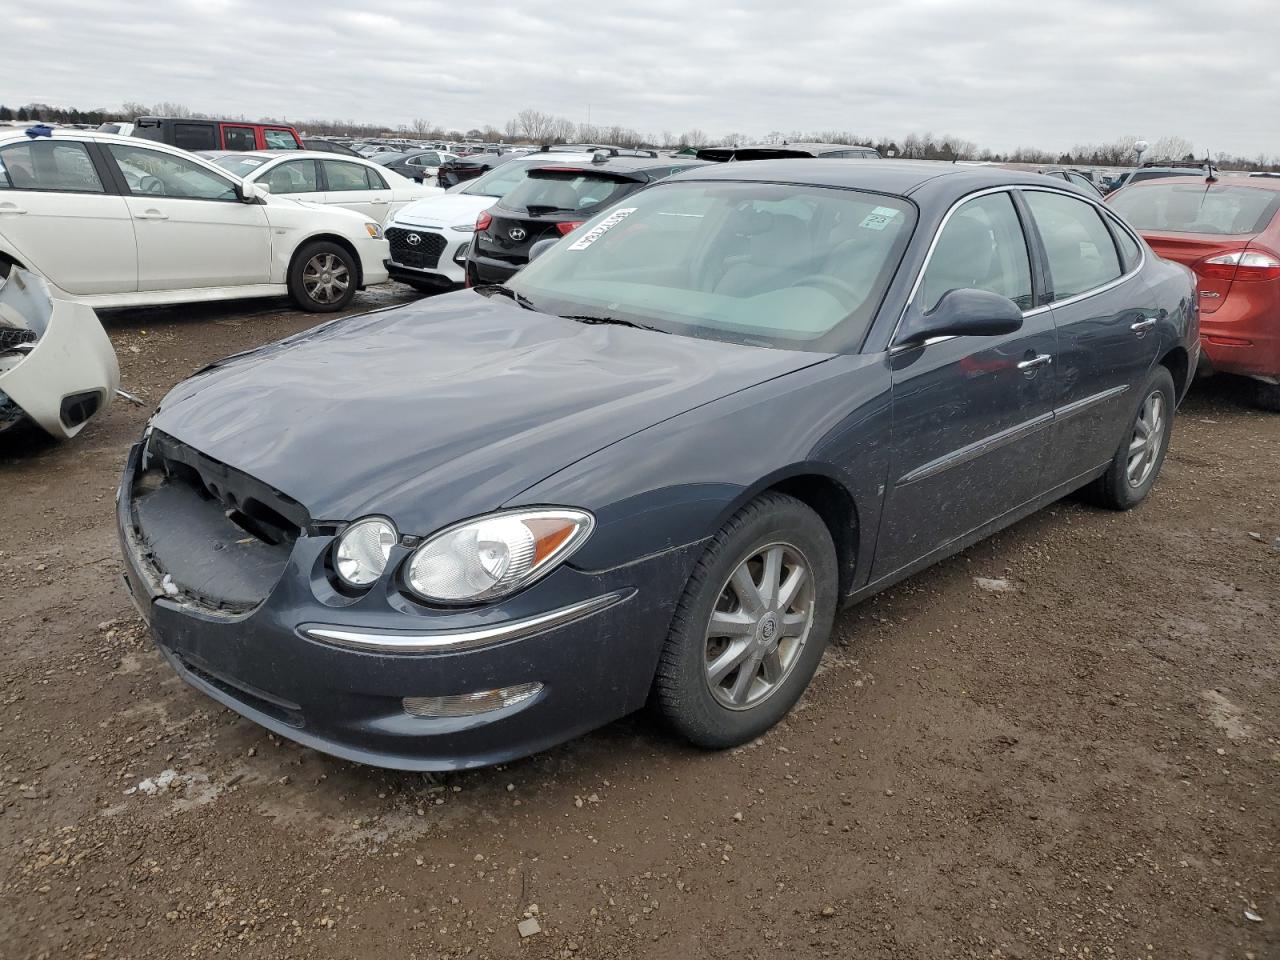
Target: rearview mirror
x=541, y=247
x=961, y=313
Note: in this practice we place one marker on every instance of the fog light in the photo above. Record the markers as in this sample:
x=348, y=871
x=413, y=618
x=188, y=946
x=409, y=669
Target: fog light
x=470, y=704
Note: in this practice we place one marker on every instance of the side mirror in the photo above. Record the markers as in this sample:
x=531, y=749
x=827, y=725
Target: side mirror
x=541, y=247
x=264, y=187
x=961, y=313
x=250, y=192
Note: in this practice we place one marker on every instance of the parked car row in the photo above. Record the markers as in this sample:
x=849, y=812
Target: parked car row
x=351, y=183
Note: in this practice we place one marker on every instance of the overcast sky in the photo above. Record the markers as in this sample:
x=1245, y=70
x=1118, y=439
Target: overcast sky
x=1002, y=73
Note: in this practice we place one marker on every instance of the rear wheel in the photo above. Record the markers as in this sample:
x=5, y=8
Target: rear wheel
x=322, y=278
x=1266, y=396
x=751, y=626
x=1137, y=463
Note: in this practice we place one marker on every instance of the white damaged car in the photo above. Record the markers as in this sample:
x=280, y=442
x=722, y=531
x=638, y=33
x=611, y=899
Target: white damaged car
x=57, y=366
x=115, y=221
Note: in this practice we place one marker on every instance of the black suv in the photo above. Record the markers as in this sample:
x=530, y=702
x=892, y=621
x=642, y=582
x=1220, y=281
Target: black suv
x=552, y=202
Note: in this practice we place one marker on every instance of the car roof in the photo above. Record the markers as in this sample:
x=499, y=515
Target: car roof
x=631, y=164
x=898, y=177
x=218, y=154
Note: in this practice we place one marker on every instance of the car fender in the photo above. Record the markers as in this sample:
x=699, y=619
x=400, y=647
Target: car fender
x=678, y=481
x=70, y=357
x=296, y=222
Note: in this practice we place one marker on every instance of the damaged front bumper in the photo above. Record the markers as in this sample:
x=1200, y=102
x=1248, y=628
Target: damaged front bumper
x=57, y=365
x=350, y=676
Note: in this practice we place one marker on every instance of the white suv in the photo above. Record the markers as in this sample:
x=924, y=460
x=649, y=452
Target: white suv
x=113, y=221
x=429, y=238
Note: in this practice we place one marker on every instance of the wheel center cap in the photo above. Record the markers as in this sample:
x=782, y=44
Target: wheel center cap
x=767, y=630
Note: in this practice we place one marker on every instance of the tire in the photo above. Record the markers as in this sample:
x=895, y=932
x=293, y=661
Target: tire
x=1266, y=396
x=703, y=709
x=307, y=277
x=1118, y=488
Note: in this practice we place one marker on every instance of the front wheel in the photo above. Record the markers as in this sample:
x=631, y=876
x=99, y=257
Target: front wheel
x=751, y=626
x=1137, y=462
x=322, y=277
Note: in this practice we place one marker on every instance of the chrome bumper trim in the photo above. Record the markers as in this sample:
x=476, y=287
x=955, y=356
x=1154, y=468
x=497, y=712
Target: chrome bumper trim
x=449, y=641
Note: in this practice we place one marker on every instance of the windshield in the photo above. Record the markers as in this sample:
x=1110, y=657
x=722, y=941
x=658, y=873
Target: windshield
x=1198, y=208
x=564, y=191
x=783, y=265
x=240, y=166
x=386, y=159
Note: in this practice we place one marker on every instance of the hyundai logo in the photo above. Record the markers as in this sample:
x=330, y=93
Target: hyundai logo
x=517, y=234
x=413, y=239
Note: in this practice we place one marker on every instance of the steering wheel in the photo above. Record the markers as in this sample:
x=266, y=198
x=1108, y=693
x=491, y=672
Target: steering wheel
x=150, y=184
x=844, y=292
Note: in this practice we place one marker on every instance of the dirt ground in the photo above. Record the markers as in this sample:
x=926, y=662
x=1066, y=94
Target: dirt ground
x=1085, y=765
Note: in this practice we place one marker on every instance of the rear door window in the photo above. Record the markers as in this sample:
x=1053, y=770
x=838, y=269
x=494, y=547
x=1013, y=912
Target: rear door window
x=1082, y=255
x=343, y=175
x=279, y=139
x=55, y=165
x=239, y=138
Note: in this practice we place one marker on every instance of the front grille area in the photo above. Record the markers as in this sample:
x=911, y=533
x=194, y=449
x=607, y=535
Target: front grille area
x=423, y=255
x=211, y=534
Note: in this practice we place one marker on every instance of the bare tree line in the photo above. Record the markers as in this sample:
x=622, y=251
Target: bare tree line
x=535, y=126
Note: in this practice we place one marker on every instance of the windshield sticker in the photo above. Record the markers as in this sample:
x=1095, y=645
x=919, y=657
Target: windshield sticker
x=879, y=218
x=250, y=162
x=601, y=228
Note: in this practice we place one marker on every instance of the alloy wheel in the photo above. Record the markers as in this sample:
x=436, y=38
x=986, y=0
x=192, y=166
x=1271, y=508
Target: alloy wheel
x=760, y=623
x=326, y=278
x=1147, y=440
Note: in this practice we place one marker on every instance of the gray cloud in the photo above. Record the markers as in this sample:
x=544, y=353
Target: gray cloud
x=1002, y=73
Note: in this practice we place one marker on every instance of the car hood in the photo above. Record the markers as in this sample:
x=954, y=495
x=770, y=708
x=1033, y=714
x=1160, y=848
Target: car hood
x=448, y=407
x=446, y=210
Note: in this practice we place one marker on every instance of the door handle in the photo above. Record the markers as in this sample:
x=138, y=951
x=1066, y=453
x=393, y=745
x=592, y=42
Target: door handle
x=1035, y=363
x=11, y=210
x=379, y=203
x=1142, y=326
x=151, y=215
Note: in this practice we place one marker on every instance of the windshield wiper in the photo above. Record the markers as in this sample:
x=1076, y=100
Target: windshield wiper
x=612, y=321
x=538, y=209
x=489, y=289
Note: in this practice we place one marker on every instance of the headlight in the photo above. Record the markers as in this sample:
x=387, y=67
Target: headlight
x=464, y=227
x=375, y=231
x=495, y=555
x=360, y=555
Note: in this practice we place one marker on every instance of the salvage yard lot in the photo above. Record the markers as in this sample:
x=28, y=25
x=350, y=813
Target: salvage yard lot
x=1084, y=763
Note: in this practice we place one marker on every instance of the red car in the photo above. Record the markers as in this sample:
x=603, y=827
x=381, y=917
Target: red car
x=1228, y=231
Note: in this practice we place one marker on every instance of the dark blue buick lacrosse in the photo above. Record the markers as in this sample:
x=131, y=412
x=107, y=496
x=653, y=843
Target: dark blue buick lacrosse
x=648, y=469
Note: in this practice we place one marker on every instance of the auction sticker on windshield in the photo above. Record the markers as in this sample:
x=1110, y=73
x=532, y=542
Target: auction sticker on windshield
x=601, y=228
